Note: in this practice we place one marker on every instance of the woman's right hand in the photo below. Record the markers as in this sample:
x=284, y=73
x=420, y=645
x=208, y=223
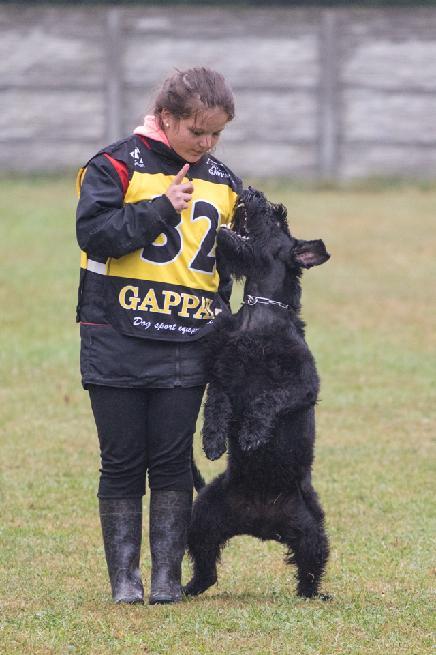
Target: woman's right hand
x=180, y=194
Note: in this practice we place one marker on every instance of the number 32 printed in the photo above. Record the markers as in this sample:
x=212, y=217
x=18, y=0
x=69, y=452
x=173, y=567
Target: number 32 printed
x=168, y=251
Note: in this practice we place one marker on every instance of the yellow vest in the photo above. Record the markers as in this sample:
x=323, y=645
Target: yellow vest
x=168, y=289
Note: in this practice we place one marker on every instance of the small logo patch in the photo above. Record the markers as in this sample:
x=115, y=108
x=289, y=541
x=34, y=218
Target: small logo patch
x=215, y=169
x=136, y=154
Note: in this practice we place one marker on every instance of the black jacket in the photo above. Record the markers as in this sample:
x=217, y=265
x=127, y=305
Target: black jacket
x=133, y=332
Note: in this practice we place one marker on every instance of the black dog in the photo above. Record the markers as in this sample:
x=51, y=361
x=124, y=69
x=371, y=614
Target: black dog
x=260, y=404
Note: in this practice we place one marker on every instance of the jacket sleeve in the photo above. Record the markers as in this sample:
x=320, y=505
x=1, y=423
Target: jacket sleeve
x=106, y=227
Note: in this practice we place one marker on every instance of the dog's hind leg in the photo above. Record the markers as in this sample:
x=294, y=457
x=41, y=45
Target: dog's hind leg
x=207, y=535
x=308, y=546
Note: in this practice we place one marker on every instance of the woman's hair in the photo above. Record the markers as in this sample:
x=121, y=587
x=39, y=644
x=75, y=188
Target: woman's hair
x=188, y=92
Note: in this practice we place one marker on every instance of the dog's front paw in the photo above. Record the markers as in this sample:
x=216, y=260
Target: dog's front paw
x=250, y=439
x=250, y=446
x=214, y=445
x=212, y=451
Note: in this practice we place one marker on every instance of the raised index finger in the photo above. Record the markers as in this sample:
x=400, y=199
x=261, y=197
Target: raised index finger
x=181, y=174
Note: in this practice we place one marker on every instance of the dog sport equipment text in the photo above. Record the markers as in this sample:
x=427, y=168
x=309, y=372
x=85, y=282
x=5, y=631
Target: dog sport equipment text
x=188, y=305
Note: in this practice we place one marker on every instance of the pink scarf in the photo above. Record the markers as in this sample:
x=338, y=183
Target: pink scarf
x=151, y=129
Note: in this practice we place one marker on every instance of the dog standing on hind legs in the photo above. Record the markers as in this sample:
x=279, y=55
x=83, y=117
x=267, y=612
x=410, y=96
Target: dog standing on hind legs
x=260, y=405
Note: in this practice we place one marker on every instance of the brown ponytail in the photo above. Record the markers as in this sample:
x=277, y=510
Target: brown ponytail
x=191, y=91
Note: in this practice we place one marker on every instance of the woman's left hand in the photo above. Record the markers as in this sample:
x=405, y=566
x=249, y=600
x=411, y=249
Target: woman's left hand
x=180, y=194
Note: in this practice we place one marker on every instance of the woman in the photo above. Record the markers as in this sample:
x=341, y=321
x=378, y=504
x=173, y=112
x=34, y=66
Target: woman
x=150, y=206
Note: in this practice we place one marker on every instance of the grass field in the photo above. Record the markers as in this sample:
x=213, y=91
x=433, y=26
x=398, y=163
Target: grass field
x=370, y=320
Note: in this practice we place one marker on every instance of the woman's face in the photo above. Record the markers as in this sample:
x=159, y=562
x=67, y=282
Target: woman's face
x=193, y=137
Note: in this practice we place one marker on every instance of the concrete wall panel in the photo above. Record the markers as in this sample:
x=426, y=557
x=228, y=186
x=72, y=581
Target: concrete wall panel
x=320, y=93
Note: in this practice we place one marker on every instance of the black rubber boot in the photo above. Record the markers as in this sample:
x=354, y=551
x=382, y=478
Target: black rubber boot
x=170, y=513
x=121, y=524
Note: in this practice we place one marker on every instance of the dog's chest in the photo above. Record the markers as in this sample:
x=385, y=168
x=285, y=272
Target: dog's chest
x=260, y=359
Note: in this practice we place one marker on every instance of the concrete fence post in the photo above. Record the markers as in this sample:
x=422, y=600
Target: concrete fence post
x=114, y=75
x=329, y=98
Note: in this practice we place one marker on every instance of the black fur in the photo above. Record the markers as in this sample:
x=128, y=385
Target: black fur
x=197, y=478
x=260, y=405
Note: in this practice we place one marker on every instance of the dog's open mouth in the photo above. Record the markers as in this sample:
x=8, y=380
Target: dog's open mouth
x=239, y=220
x=251, y=204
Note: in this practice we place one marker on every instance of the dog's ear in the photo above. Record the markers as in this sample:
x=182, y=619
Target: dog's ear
x=309, y=253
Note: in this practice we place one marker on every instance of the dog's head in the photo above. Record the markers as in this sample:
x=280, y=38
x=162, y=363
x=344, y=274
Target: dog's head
x=259, y=239
x=254, y=215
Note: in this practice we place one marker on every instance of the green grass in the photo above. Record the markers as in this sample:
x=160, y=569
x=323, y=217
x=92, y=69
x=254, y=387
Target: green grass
x=370, y=325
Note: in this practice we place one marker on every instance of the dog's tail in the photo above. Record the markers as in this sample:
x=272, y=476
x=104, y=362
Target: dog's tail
x=199, y=481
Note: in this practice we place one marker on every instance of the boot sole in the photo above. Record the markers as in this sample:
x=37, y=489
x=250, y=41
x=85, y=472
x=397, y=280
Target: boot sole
x=164, y=600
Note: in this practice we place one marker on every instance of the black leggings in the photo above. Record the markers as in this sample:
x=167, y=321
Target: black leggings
x=145, y=429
